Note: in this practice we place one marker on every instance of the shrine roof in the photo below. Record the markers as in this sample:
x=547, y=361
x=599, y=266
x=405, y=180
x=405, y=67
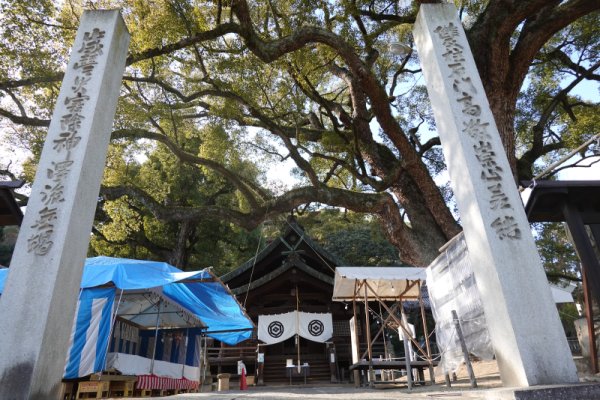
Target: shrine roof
x=292, y=248
x=545, y=200
x=10, y=212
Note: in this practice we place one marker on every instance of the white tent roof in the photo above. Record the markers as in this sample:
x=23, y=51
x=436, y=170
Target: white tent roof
x=561, y=294
x=391, y=282
x=387, y=282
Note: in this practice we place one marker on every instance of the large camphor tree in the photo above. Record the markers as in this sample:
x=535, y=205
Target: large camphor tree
x=224, y=88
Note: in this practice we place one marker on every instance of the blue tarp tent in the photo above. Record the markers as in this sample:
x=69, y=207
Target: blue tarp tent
x=147, y=293
x=199, y=292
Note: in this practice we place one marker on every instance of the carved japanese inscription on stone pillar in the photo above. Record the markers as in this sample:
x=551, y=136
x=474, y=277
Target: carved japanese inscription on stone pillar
x=476, y=128
x=525, y=330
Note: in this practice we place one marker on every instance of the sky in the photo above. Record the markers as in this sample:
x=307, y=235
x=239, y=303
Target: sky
x=586, y=174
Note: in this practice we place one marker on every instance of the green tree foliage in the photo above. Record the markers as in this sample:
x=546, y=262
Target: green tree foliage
x=568, y=314
x=552, y=115
x=127, y=228
x=562, y=266
x=227, y=87
x=357, y=239
x=557, y=252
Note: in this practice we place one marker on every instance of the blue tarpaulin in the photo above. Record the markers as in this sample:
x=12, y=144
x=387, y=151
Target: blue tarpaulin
x=129, y=274
x=89, y=337
x=201, y=293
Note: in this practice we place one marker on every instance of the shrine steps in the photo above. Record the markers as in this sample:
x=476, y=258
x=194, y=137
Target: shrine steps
x=275, y=371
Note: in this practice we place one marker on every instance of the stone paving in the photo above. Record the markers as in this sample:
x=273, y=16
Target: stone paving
x=330, y=392
x=486, y=373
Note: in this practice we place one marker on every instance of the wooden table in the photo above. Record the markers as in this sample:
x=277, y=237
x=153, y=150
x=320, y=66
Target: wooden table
x=292, y=370
x=400, y=365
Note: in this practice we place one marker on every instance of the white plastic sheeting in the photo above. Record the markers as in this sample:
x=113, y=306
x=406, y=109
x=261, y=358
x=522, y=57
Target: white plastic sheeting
x=452, y=286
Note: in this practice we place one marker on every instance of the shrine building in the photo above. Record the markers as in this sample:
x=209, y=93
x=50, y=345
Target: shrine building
x=290, y=282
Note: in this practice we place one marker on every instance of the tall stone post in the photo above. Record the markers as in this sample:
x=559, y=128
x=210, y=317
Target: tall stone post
x=526, y=332
x=37, y=306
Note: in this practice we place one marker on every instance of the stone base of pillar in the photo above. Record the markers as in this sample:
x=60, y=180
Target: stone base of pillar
x=581, y=391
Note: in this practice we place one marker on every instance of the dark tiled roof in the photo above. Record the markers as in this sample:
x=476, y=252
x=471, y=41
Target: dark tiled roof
x=10, y=213
x=291, y=227
x=548, y=198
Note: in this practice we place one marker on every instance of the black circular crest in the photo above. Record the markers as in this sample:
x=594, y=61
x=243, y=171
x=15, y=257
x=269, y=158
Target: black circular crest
x=315, y=327
x=275, y=329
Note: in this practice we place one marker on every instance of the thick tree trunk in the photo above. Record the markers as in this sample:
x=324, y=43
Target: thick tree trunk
x=494, y=69
x=419, y=240
x=180, y=254
x=504, y=115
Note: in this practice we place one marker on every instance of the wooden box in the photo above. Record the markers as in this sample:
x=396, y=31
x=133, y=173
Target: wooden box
x=92, y=389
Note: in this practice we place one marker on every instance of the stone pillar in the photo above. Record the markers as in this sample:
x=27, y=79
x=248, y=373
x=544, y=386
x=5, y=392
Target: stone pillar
x=526, y=332
x=37, y=306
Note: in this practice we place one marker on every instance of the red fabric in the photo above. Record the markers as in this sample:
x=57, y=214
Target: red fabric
x=243, y=385
x=149, y=382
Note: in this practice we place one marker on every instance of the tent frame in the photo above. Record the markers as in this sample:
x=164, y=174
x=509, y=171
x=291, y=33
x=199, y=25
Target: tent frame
x=156, y=303
x=364, y=292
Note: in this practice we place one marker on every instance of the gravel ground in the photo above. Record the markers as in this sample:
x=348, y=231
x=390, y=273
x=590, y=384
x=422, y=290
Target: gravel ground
x=486, y=373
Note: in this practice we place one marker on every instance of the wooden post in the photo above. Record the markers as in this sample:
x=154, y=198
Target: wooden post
x=332, y=362
x=407, y=346
x=583, y=246
x=260, y=365
x=299, y=367
x=356, y=372
x=589, y=317
x=590, y=268
x=595, y=228
x=202, y=362
x=426, y=334
x=155, y=337
x=368, y=331
x=463, y=345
